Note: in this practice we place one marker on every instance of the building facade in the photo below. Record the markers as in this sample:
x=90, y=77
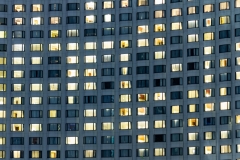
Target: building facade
x=127, y=80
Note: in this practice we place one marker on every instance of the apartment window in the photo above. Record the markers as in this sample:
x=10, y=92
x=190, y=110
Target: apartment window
x=125, y=84
x=192, y=66
x=192, y=24
x=159, y=96
x=90, y=32
x=208, y=36
x=160, y=123
x=208, y=22
x=108, y=4
x=142, y=83
x=54, y=100
x=108, y=18
x=176, y=26
x=208, y=107
x=209, y=135
x=224, y=149
x=208, y=8
x=18, y=74
x=159, y=14
x=37, y=21
x=124, y=125
x=225, y=134
x=54, y=34
x=176, y=109
x=193, y=10
x=209, y=121
x=89, y=126
x=176, y=137
x=71, y=154
x=159, y=68
x=17, y=141
x=3, y=34
x=176, y=95
x=209, y=92
x=72, y=33
x=107, y=140
x=142, y=97
x=17, y=100
x=17, y=114
x=55, y=7
x=107, y=99
x=35, y=114
x=36, y=7
x=36, y=47
x=175, y=40
x=73, y=6
x=226, y=19
x=72, y=20
x=107, y=85
x=107, y=45
x=142, y=43
x=193, y=108
x=53, y=140
x=107, y=153
x=107, y=112
x=176, y=67
x=159, y=55
x=224, y=77
x=89, y=140
x=224, y=5
x=108, y=31
x=18, y=21
x=193, y=122
x=176, y=151
x=18, y=47
x=159, y=27
x=142, y=15
x=71, y=140
x=107, y=71
x=125, y=44
x=3, y=21
x=225, y=120
x=176, y=12
x=36, y=34
x=16, y=154
x=125, y=17
x=193, y=94
x=17, y=60
x=160, y=41
x=192, y=38
x=225, y=105
x=54, y=113
x=88, y=19
x=89, y=154
x=90, y=6
x=54, y=47
x=159, y=152
x=142, y=138
x=159, y=82
x=224, y=34
x=142, y=29
x=142, y=153
x=35, y=100
x=53, y=154
x=193, y=80
x=125, y=153
x=176, y=123
x=16, y=8
x=192, y=52
x=142, y=2
x=54, y=73
x=125, y=3
x=193, y=136
x=225, y=91
x=125, y=139
x=35, y=127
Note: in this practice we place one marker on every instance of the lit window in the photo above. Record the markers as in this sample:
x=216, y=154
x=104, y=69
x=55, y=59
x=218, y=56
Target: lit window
x=237, y=118
x=142, y=2
x=125, y=44
x=2, y=142
x=35, y=87
x=159, y=14
x=90, y=59
x=209, y=50
x=90, y=19
x=89, y=153
x=237, y=3
x=142, y=97
x=159, y=96
x=35, y=100
x=72, y=33
x=125, y=3
x=19, y=8
x=193, y=24
x=142, y=111
x=124, y=125
x=125, y=98
x=225, y=91
x=18, y=21
x=54, y=47
x=224, y=6
x=54, y=33
x=140, y=29
x=35, y=154
x=17, y=60
x=2, y=127
x=159, y=152
x=209, y=150
x=208, y=22
x=224, y=20
x=142, y=124
x=71, y=140
x=125, y=57
x=37, y=7
x=193, y=108
x=192, y=122
x=90, y=45
x=225, y=134
x=159, y=41
x=17, y=127
x=2, y=114
x=55, y=20
x=107, y=45
x=90, y=113
x=208, y=78
x=36, y=60
x=225, y=149
x=108, y=4
x=159, y=27
x=90, y=86
x=193, y=94
x=176, y=109
x=142, y=138
x=17, y=114
x=35, y=127
x=208, y=8
x=176, y=26
x=89, y=126
x=107, y=126
x=3, y=61
x=17, y=154
x=208, y=107
x=72, y=73
x=36, y=21
x=176, y=12
x=159, y=55
x=237, y=75
x=193, y=136
x=160, y=124
x=90, y=72
x=142, y=43
x=18, y=47
x=193, y=38
x=72, y=60
x=209, y=92
x=90, y=5
x=208, y=36
x=125, y=111
x=3, y=34
x=53, y=113
x=125, y=84
x=193, y=10
x=176, y=67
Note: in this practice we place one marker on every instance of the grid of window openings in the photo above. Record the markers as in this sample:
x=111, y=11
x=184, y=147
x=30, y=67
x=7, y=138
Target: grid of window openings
x=144, y=79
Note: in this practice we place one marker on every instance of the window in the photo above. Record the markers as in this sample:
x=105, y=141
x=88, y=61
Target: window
x=107, y=126
x=3, y=34
x=159, y=41
x=142, y=83
x=17, y=60
x=18, y=8
x=90, y=99
x=54, y=47
x=176, y=151
x=160, y=123
x=125, y=139
x=193, y=94
x=142, y=2
x=89, y=140
x=72, y=100
x=35, y=100
x=108, y=18
x=3, y=8
x=176, y=12
x=176, y=26
x=18, y=47
x=176, y=40
x=54, y=100
x=192, y=38
x=193, y=136
x=125, y=44
x=36, y=7
x=208, y=22
x=176, y=123
x=209, y=64
x=16, y=127
x=159, y=82
x=225, y=19
x=192, y=66
x=224, y=77
x=159, y=55
x=36, y=47
x=224, y=34
x=193, y=10
x=89, y=126
x=3, y=21
x=142, y=29
x=18, y=74
x=16, y=154
x=125, y=3
x=159, y=14
x=88, y=19
x=125, y=71
x=17, y=100
x=90, y=5
x=209, y=92
x=209, y=121
x=159, y=27
x=193, y=108
x=176, y=95
x=55, y=7
x=107, y=99
x=107, y=85
x=108, y=58
x=18, y=21
x=36, y=34
x=71, y=154
x=159, y=96
x=125, y=98
x=125, y=111
x=224, y=149
x=209, y=107
x=17, y=141
x=72, y=33
x=107, y=112
x=176, y=67
x=125, y=17
x=225, y=134
x=142, y=15
x=54, y=113
x=72, y=19
x=208, y=36
x=124, y=125
x=108, y=31
x=17, y=114
x=142, y=43
x=208, y=8
x=90, y=32
x=54, y=33
x=53, y=140
x=35, y=127
x=3, y=61
x=73, y=6
x=225, y=91
x=107, y=153
x=176, y=137
x=159, y=152
x=35, y=154
x=108, y=4
x=193, y=122
x=71, y=140
x=193, y=80
x=142, y=138
x=37, y=21
x=107, y=71
x=89, y=154
x=142, y=153
x=53, y=154
x=225, y=105
x=70, y=113
x=192, y=24
x=54, y=73
x=125, y=84
x=107, y=45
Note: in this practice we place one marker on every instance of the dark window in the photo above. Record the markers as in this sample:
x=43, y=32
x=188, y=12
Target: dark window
x=54, y=127
x=125, y=139
x=72, y=113
x=3, y=8
x=125, y=153
x=224, y=77
x=176, y=81
x=35, y=140
x=193, y=66
x=224, y=48
x=193, y=80
x=107, y=71
x=72, y=127
x=107, y=140
x=192, y=52
x=108, y=31
x=18, y=34
x=107, y=153
x=54, y=73
x=159, y=68
x=176, y=53
x=224, y=34
x=225, y=120
x=108, y=99
x=143, y=70
x=36, y=34
x=237, y=104
x=3, y=47
x=174, y=1
x=142, y=83
x=176, y=123
x=237, y=17
x=90, y=99
x=55, y=7
x=159, y=138
x=159, y=110
x=107, y=85
x=54, y=60
x=89, y=140
x=142, y=56
x=176, y=39
x=209, y=121
x=176, y=151
x=73, y=6
x=90, y=32
x=72, y=19
x=53, y=140
x=176, y=95
x=107, y=112
x=17, y=141
x=35, y=114
x=125, y=17
x=125, y=30
x=237, y=32
x=54, y=100
x=159, y=82
x=176, y=137
x=71, y=154
x=36, y=74
x=3, y=21
x=142, y=15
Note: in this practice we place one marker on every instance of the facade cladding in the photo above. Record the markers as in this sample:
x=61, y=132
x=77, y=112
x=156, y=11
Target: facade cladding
x=124, y=79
